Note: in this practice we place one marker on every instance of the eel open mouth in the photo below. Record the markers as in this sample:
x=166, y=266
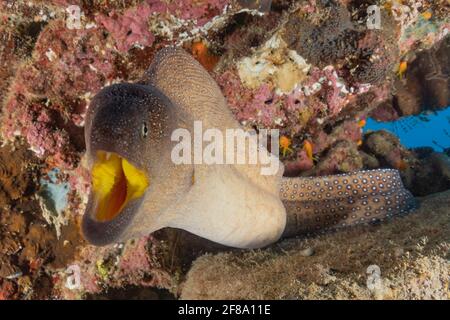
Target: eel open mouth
x=115, y=182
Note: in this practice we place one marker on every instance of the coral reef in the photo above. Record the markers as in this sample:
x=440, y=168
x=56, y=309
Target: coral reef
x=49, y=94
x=34, y=259
x=300, y=82
x=69, y=64
x=27, y=243
x=134, y=26
x=130, y=28
x=323, y=65
x=423, y=172
x=309, y=68
x=425, y=85
x=134, y=263
x=57, y=63
x=326, y=35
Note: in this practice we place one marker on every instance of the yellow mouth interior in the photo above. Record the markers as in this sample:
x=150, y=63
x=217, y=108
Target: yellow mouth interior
x=115, y=182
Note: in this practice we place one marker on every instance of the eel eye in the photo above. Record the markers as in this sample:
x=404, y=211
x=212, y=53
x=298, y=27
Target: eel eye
x=144, y=130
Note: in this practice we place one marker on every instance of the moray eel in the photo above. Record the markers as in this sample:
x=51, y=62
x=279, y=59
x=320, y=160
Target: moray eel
x=137, y=189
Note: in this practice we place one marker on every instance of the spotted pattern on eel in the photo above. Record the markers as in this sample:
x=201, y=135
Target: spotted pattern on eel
x=320, y=204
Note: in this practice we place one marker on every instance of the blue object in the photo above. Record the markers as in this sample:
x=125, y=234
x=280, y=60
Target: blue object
x=425, y=130
x=55, y=193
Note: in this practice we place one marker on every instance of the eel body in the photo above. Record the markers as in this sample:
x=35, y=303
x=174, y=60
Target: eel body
x=230, y=204
x=319, y=204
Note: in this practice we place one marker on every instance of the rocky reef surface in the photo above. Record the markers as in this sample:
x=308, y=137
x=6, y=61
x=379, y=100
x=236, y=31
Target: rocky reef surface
x=404, y=259
x=311, y=68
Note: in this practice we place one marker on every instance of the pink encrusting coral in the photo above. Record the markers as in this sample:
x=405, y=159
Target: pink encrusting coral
x=330, y=89
x=300, y=164
x=200, y=11
x=45, y=136
x=303, y=113
x=132, y=27
x=265, y=107
x=321, y=94
x=348, y=130
x=135, y=260
x=261, y=106
x=69, y=66
x=49, y=96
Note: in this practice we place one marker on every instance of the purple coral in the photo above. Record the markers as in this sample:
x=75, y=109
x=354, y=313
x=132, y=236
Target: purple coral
x=260, y=106
x=201, y=11
x=301, y=163
x=49, y=96
x=330, y=90
x=131, y=27
x=322, y=94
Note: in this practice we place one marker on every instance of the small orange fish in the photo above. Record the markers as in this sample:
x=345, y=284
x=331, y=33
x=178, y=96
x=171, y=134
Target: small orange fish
x=362, y=123
x=308, y=147
x=285, y=145
x=402, y=69
x=427, y=15
x=359, y=143
x=202, y=54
